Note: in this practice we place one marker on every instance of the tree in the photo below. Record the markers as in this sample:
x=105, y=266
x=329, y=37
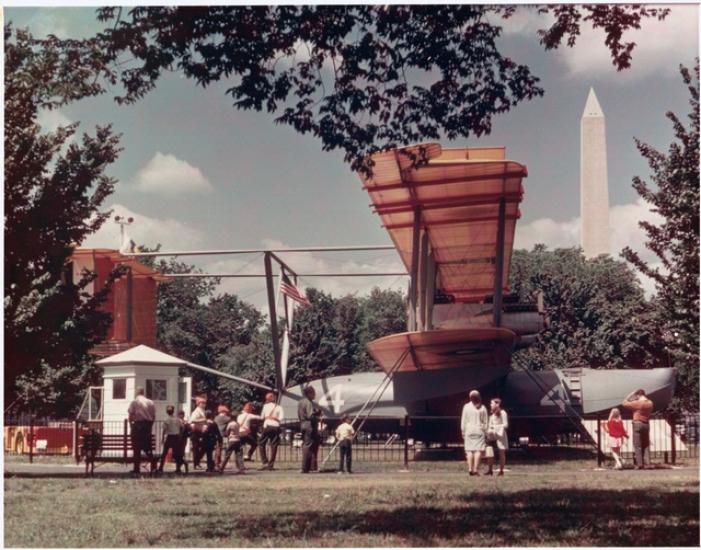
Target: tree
x=597, y=313
x=54, y=188
x=383, y=312
x=360, y=78
x=674, y=194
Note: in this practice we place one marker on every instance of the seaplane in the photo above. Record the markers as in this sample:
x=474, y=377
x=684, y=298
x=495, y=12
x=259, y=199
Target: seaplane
x=451, y=215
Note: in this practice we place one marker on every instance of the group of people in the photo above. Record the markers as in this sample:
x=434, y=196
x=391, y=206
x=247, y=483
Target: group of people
x=484, y=432
x=217, y=437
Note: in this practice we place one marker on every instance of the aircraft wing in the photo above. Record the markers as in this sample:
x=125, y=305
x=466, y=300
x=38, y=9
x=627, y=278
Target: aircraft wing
x=458, y=194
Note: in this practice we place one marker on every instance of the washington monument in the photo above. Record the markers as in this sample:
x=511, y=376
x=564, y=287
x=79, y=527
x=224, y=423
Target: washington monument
x=593, y=184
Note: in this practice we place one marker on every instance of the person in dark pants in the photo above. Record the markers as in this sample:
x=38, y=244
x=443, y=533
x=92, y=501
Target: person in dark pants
x=272, y=416
x=197, y=423
x=171, y=439
x=141, y=413
x=210, y=438
x=308, y=413
x=642, y=410
x=344, y=435
x=248, y=428
x=222, y=420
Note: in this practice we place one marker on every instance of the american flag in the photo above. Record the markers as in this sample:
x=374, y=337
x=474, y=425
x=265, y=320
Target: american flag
x=289, y=289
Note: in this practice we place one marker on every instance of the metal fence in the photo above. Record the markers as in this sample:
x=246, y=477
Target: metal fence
x=415, y=438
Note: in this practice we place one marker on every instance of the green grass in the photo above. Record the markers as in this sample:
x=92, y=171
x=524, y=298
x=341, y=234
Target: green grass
x=435, y=504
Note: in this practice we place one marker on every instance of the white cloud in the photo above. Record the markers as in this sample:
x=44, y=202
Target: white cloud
x=50, y=120
x=254, y=290
x=167, y=174
x=624, y=232
x=660, y=47
x=172, y=234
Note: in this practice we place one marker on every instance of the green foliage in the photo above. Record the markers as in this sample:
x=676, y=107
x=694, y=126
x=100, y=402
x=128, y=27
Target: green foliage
x=674, y=194
x=54, y=188
x=360, y=77
x=597, y=313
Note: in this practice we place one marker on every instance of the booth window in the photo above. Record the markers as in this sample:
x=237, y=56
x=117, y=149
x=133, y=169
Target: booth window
x=182, y=393
x=119, y=388
x=157, y=390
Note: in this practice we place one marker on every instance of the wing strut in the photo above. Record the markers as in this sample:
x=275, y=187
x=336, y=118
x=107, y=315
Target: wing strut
x=230, y=377
x=381, y=388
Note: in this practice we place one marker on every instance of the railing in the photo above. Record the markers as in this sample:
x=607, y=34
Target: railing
x=414, y=438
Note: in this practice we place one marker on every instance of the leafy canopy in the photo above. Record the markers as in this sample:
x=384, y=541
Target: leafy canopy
x=360, y=78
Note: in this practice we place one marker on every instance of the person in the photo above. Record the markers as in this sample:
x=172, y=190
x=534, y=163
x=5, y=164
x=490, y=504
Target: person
x=473, y=425
x=273, y=415
x=497, y=438
x=221, y=420
x=308, y=413
x=233, y=445
x=210, y=438
x=171, y=438
x=198, y=421
x=185, y=433
x=141, y=413
x=249, y=435
x=642, y=407
x=344, y=435
x=617, y=432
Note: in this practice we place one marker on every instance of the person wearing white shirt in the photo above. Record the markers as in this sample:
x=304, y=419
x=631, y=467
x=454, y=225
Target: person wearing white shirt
x=473, y=425
x=141, y=413
x=344, y=435
x=273, y=415
x=496, y=435
x=248, y=432
x=198, y=421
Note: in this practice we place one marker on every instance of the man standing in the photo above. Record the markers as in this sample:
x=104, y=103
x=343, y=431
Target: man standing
x=222, y=421
x=198, y=422
x=642, y=410
x=272, y=416
x=142, y=413
x=308, y=413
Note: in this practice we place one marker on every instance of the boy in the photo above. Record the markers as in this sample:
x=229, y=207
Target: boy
x=344, y=434
x=233, y=440
x=210, y=438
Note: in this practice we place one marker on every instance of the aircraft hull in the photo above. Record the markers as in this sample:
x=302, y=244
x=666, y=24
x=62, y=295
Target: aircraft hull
x=540, y=402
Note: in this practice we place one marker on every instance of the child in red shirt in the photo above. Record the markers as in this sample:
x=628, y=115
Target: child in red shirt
x=614, y=427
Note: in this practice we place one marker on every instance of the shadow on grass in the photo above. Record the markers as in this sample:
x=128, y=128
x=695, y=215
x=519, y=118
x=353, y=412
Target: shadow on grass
x=526, y=518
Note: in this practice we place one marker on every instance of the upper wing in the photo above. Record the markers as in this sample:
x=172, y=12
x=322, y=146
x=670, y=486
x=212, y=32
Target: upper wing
x=458, y=192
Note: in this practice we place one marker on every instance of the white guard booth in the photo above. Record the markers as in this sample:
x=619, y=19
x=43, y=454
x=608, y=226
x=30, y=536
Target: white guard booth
x=153, y=370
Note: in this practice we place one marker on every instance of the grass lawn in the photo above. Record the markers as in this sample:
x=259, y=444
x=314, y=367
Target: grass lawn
x=435, y=504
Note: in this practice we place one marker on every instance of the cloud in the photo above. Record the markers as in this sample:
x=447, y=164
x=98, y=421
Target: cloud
x=167, y=174
x=660, y=47
x=50, y=120
x=172, y=234
x=625, y=231
x=254, y=290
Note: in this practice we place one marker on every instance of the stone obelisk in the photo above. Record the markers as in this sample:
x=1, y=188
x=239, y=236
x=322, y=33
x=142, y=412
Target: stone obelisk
x=593, y=182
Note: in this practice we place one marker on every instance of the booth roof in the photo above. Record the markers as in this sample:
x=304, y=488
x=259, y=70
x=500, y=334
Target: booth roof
x=142, y=355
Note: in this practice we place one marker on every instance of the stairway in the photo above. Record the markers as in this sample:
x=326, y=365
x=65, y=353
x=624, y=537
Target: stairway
x=573, y=380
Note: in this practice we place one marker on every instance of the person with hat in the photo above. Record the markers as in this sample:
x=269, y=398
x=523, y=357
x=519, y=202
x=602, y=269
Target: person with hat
x=221, y=420
x=198, y=422
x=272, y=417
x=308, y=413
x=141, y=413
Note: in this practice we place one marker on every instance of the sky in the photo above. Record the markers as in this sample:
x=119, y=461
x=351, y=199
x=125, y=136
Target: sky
x=196, y=173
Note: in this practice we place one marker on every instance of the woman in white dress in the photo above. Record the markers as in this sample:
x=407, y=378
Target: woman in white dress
x=474, y=428
x=496, y=434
